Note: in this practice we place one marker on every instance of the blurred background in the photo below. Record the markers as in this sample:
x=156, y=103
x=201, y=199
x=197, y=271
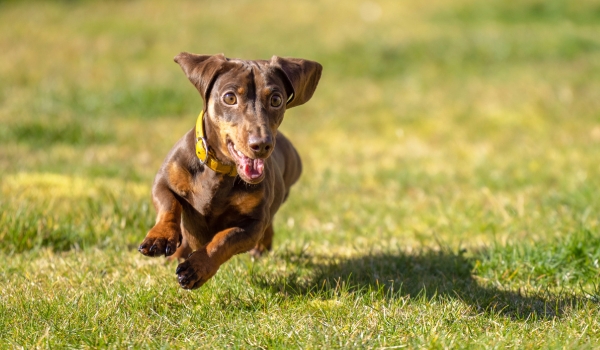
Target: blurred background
x=455, y=121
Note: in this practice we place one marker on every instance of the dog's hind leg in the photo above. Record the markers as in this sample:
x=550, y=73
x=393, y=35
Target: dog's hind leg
x=184, y=250
x=265, y=243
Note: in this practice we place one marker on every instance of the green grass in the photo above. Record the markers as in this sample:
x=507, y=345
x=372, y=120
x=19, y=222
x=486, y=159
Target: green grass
x=450, y=197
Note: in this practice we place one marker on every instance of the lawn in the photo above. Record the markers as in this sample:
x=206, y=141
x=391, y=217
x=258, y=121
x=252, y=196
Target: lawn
x=450, y=196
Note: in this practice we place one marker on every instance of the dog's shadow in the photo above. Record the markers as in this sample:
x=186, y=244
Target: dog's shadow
x=426, y=274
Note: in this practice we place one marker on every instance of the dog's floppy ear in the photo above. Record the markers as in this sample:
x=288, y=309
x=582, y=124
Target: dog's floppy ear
x=201, y=70
x=302, y=77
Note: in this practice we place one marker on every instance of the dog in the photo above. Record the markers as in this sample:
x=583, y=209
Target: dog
x=221, y=184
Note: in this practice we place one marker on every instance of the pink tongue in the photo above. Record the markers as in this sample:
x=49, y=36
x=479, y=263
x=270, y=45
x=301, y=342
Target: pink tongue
x=253, y=168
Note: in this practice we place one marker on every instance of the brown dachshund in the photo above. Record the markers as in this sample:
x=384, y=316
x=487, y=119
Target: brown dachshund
x=221, y=184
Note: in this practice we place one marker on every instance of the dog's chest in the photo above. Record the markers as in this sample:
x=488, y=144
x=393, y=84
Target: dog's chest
x=225, y=200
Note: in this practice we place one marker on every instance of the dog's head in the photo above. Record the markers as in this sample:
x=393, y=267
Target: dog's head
x=244, y=103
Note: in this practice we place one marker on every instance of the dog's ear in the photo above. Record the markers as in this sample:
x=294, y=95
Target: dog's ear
x=302, y=77
x=201, y=70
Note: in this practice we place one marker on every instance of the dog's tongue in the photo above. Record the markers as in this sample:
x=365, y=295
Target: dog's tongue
x=252, y=168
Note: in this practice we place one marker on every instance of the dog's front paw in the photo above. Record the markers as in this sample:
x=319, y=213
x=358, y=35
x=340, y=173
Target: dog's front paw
x=163, y=239
x=196, y=270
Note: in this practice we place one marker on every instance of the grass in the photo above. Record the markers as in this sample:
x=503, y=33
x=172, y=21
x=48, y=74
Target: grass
x=450, y=197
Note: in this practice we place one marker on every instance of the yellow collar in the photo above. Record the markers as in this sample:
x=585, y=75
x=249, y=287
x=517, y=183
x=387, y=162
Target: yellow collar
x=206, y=155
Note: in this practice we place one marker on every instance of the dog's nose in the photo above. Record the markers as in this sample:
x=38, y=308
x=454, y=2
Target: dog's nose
x=260, y=145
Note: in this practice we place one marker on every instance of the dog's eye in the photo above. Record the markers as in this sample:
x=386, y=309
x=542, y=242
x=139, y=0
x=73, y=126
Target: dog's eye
x=229, y=98
x=276, y=100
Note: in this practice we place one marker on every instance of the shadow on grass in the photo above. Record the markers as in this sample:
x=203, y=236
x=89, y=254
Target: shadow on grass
x=427, y=274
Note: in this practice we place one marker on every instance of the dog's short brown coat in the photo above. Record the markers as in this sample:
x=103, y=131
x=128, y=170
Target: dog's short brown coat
x=206, y=217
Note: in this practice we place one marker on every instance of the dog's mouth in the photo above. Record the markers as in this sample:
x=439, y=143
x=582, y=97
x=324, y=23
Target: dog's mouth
x=250, y=170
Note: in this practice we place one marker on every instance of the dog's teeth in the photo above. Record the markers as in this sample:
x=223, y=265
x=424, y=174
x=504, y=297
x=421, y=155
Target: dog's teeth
x=240, y=154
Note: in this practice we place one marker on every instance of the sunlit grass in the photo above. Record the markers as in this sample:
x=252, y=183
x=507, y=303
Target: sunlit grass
x=450, y=194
